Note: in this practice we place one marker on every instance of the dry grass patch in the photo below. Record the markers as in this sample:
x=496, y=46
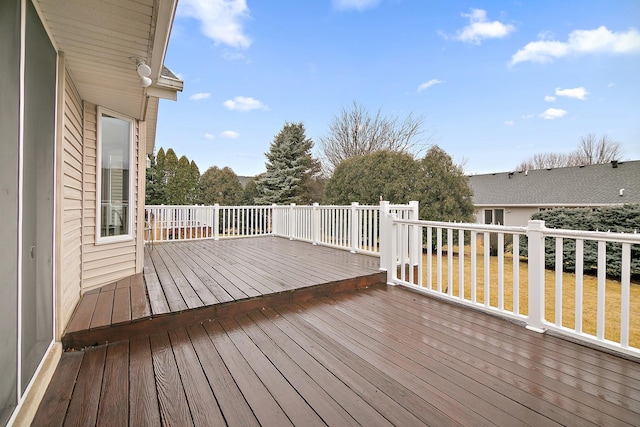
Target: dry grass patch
x=589, y=293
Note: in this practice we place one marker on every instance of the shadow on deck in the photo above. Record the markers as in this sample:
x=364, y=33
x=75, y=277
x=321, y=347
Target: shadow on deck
x=375, y=356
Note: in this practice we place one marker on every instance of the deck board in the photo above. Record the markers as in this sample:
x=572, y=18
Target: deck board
x=377, y=356
x=268, y=331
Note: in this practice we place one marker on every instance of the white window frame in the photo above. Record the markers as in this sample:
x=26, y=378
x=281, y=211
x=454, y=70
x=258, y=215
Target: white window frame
x=132, y=177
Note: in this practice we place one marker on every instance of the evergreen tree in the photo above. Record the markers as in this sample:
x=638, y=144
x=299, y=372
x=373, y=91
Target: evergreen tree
x=220, y=186
x=155, y=187
x=170, y=169
x=290, y=168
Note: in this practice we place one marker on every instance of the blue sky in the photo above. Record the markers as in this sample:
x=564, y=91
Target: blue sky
x=498, y=81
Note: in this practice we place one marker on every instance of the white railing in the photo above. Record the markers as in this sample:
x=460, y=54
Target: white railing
x=170, y=223
x=437, y=257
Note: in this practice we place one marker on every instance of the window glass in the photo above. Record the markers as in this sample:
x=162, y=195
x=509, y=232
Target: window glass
x=488, y=216
x=498, y=216
x=115, y=150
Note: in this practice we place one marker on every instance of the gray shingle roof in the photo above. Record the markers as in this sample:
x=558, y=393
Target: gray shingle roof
x=572, y=186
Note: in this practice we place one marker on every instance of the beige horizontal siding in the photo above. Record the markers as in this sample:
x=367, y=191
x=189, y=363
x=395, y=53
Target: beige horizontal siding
x=71, y=226
x=103, y=263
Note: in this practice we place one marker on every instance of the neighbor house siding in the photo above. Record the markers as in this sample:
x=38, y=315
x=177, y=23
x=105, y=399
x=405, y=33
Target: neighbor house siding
x=103, y=263
x=513, y=216
x=71, y=233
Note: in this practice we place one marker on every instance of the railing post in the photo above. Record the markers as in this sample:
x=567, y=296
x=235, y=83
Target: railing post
x=315, y=223
x=275, y=220
x=536, y=255
x=415, y=240
x=292, y=221
x=216, y=222
x=354, y=226
x=387, y=242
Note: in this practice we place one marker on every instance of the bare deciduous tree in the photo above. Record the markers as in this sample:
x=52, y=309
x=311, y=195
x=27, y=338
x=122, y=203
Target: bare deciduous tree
x=355, y=132
x=591, y=150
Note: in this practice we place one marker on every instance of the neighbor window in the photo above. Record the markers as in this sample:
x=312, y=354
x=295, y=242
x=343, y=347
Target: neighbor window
x=494, y=216
x=115, y=175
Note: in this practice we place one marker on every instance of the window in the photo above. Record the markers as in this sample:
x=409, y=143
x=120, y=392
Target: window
x=115, y=177
x=494, y=216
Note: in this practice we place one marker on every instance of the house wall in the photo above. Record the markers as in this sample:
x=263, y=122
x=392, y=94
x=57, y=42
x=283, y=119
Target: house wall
x=70, y=158
x=108, y=262
x=513, y=216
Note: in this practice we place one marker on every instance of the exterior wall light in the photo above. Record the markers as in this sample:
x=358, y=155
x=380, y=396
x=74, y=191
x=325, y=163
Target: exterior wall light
x=144, y=71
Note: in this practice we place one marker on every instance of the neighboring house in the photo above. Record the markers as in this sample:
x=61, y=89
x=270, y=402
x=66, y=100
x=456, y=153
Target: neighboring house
x=76, y=124
x=510, y=198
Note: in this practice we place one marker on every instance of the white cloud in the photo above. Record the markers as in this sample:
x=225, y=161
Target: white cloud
x=480, y=28
x=549, y=98
x=242, y=103
x=580, y=42
x=553, y=113
x=577, y=93
x=428, y=84
x=358, y=5
x=200, y=96
x=221, y=20
x=230, y=134
x=209, y=136
x=509, y=123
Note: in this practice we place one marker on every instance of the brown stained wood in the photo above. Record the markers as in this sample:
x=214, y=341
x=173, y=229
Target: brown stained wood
x=157, y=299
x=262, y=403
x=492, y=360
x=114, y=399
x=109, y=287
x=313, y=394
x=233, y=405
x=464, y=404
x=298, y=411
x=124, y=283
x=415, y=401
x=83, y=408
x=140, y=307
x=174, y=409
x=204, y=295
x=121, y=305
x=81, y=319
x=143, y=398
x=576, y=373
x=201, y=273
x=187, y=293
x=171, y=292
x=54, y=404
x=104, y=308
x=344, y=369
x=202, y=404
x=363, y=412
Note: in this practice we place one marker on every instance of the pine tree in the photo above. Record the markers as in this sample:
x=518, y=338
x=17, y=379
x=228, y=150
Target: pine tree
x=155, y=187
x=290, y=168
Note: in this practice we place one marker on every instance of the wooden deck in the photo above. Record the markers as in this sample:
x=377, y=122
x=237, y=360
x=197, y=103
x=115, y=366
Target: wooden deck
x=188, y=282
x=375, y=356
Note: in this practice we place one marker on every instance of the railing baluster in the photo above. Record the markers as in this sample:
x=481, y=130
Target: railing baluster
x=429, y=257
x=516, y=274
x=473, y=255
x=449, y=261
x=461, y=263
x=559, y=271
x=487, y=276
x=500, y=271
x=579, y=276
x=602, y=277
x=625, y=296
x=439, y=259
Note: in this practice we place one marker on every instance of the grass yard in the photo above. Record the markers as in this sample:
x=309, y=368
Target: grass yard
x=589, y=294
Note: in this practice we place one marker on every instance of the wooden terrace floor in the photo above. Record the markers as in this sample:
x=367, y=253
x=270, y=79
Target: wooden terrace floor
x=187, y=282
x=375, y=356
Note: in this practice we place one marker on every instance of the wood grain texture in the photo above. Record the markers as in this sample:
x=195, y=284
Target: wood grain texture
x=143, y=398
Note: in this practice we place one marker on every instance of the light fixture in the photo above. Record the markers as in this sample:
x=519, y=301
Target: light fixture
x=143, y=70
